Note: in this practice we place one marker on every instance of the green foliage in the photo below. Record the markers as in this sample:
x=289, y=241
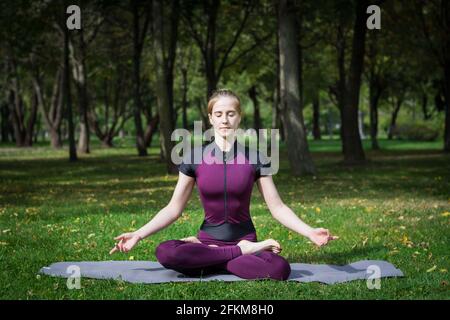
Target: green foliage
x=416, y=132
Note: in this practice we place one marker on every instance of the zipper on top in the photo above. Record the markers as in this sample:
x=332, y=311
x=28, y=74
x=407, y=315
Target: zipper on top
x=225, y=184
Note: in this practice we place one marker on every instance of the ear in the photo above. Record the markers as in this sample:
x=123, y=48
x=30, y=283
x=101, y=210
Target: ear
x=210, y=119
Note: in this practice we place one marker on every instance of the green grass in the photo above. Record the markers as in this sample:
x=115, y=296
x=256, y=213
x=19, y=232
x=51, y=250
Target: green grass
x=391, y=208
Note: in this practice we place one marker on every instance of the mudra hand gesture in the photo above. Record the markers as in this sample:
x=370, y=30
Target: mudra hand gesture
x=321, y=236
x=126, y=242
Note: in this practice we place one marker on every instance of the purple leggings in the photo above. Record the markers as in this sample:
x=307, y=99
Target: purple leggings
x=196, y=259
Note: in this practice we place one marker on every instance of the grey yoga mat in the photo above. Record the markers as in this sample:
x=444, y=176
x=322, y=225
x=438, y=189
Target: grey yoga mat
x=153, y=272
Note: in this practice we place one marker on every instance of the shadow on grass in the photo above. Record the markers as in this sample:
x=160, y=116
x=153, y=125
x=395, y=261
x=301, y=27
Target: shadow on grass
x=338, y=258
x=387, y=175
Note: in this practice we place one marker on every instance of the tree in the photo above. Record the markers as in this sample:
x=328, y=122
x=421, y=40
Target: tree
x=350, y=88
x=291, y=108
x=216, y=43
x=162, y=87
x=19, y=25
x=434, y=16
x=67, y=93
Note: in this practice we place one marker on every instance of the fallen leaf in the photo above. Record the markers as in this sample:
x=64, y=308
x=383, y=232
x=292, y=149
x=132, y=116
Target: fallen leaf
x=365, y=241
x=432, y=269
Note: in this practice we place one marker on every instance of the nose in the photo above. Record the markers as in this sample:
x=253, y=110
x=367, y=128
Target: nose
x=225, y=119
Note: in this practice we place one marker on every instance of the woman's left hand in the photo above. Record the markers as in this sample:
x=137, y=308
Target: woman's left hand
x=321, y=236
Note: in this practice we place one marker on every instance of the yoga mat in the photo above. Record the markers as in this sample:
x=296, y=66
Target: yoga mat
x=153, y=272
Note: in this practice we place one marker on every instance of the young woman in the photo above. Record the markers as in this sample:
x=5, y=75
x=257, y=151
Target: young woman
x=226, y=241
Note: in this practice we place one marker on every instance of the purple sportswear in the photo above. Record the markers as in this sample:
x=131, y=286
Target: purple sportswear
x=225, y=182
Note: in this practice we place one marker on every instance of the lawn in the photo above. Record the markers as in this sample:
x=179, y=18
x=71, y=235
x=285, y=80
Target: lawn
x=395, y=208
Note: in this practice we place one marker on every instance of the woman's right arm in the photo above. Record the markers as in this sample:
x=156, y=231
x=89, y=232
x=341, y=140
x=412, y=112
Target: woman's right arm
x=162, y=219
x=173, y=210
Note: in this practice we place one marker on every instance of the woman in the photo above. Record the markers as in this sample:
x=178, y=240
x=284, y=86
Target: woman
x=226, y=241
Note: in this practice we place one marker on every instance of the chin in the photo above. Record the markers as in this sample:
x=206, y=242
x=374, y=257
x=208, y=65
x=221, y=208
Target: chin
x=225, y=134
x=228, y=134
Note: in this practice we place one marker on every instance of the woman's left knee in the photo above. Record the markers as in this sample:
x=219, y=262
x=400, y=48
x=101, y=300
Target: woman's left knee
x=281, y=269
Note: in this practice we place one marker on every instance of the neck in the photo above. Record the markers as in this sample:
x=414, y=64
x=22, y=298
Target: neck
x=224, y=144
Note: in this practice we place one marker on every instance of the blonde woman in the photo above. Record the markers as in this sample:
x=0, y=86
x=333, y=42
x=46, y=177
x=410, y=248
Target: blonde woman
x=227, y=240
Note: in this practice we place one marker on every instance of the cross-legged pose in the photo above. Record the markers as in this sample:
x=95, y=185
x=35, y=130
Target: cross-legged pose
x=225, y=176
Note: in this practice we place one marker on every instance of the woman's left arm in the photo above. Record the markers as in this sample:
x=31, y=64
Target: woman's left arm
x=287, y=217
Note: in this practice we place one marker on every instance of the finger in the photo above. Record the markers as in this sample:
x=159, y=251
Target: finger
x=113, y=250
x=120, y=245
x=334, y=237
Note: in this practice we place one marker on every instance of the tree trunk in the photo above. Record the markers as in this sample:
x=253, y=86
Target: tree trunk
x=294, y=129
x=374, y=96
x=276, y=116
x=210, y=61
x=38, y=128
x=5, y=122
x=351, y=140
x=393, y=123
x=137, y=51
x=66, y=91
x=31, y=122
x=162, y=91
x=316, y=116
x=256, y=115
x=172, y=50
x=15, y=103
x=150, y=130
x=52, y=118
x=80, y=77
x=184, y=103
x=447, y=106
x=426, y=115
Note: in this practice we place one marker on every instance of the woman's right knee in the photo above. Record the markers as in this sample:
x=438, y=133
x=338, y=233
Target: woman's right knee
x=166, y=252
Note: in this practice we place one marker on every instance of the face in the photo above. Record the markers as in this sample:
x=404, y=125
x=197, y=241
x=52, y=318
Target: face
x=225, y=118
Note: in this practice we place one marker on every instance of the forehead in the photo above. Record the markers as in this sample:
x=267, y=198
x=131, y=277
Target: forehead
x=225, y=104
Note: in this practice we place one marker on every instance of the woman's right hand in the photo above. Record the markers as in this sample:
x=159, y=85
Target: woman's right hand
x=126, y=242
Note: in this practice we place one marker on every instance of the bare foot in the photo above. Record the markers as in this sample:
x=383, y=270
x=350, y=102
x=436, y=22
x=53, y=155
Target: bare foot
x=212, y=245
x=248, y=247
x=191, y=240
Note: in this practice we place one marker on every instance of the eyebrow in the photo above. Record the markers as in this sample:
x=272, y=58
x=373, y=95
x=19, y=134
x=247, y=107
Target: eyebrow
x=223, y=111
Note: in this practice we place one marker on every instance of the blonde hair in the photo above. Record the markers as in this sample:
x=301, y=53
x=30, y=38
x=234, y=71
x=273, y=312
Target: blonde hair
x=217, y=94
